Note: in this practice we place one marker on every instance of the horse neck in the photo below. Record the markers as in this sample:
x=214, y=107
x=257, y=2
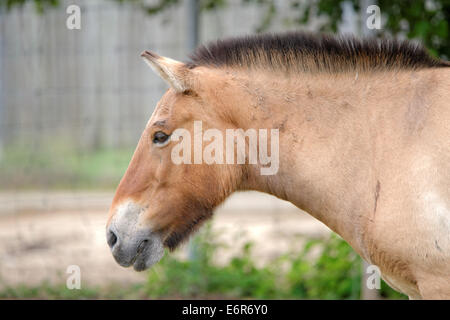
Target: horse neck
x=328, y=125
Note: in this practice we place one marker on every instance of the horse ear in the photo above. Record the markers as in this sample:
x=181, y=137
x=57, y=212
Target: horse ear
x=174, y=72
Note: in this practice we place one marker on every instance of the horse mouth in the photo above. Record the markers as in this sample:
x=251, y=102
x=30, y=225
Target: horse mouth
x=149, y=252
x=138, y=262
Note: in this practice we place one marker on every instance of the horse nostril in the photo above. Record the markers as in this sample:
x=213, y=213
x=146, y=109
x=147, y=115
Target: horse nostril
x=111, y=239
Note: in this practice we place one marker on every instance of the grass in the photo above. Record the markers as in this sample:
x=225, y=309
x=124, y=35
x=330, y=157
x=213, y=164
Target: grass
x=59, y=291
x=58, y=165
x=323, y=269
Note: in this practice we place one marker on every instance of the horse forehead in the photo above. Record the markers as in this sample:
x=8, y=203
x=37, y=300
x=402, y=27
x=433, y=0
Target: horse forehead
x=162, y=110
x=170, y=102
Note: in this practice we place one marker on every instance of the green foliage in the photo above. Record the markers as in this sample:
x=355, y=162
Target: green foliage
x=335, y=274
x=327, y=269
x=201, y=277
x=424, y=20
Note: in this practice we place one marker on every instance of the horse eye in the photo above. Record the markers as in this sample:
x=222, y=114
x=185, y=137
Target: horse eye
x=160, y=137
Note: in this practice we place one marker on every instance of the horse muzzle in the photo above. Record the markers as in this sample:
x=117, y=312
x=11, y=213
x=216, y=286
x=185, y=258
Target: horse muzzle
x=131, y=243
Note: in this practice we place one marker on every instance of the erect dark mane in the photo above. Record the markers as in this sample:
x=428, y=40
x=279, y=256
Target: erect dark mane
x=305, y=52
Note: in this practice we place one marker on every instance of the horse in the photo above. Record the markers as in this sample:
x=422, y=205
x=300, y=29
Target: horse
x=363, y=136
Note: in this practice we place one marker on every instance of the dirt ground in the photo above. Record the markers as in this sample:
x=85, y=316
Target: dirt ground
x=42, y=233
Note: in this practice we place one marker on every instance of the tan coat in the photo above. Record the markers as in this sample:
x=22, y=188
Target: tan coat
x=366, y=153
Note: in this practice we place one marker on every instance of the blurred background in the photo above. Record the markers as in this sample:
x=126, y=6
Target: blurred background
x=73, y=104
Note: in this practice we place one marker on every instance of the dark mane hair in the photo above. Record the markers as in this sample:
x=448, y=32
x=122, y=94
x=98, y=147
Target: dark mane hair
x=305, y=52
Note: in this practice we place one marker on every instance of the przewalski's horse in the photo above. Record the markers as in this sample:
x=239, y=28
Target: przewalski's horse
x=364, y=146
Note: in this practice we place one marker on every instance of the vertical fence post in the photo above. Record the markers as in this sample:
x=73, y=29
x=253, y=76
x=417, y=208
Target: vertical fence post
x=192, y=42
x=2, y=90
x=364, y=30
x=193, y=24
